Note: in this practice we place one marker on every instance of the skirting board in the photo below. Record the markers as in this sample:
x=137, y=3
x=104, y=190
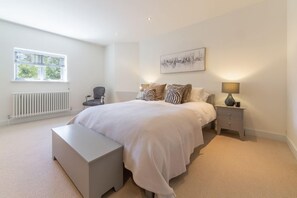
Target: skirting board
x=265, y=134
x=278, y=137
x=292, y=146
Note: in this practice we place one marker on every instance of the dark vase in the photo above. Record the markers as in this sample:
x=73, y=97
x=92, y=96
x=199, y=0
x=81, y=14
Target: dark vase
x=230, y=100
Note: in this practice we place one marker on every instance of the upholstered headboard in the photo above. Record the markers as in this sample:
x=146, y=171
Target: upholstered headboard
x=211, y=99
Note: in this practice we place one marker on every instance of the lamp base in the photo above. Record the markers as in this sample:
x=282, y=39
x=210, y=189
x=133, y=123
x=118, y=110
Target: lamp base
x=230, y=100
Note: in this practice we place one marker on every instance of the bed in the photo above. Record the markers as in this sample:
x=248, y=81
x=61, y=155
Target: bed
x=158, y=137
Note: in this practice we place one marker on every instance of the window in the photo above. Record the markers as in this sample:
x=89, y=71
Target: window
x=31, y=65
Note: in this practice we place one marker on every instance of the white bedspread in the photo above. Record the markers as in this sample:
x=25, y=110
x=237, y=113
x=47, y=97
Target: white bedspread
x=158, y=137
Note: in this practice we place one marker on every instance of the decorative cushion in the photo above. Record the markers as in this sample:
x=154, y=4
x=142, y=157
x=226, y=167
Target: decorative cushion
x=159, y=90
x=149, y=94
x=174, y=94
x=187, y=92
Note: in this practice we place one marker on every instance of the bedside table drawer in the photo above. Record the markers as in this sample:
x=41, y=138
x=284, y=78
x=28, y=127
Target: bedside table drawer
x=232, y=124
x=229, y=112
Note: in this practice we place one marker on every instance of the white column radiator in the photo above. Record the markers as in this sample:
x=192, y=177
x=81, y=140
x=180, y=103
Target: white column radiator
x=38, y=103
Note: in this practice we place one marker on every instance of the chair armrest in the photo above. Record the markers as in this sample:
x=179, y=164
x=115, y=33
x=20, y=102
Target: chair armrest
x=102, y=99
x=88, y=96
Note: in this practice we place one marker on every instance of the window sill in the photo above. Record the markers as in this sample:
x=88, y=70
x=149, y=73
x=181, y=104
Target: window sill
x=37, y=81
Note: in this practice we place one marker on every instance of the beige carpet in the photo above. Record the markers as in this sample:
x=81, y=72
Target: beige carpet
x=224, y=167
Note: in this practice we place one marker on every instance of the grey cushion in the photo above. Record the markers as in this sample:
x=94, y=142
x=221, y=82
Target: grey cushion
x=187, y=92
x=174, y=94
x=149, y=94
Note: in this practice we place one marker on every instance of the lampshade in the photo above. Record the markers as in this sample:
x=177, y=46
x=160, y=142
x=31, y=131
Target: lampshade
x=230, y=87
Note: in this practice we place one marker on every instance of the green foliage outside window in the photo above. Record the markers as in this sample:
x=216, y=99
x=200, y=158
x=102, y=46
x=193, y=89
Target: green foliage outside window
x=53, y=61
x=27, y=71
x=53, y=73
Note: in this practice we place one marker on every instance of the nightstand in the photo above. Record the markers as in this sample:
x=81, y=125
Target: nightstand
x=230, y=118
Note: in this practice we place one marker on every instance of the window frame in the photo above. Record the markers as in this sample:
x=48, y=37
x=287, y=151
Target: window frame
x=41, y=67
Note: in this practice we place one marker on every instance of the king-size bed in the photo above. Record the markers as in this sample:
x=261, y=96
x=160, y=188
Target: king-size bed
x=158, y=137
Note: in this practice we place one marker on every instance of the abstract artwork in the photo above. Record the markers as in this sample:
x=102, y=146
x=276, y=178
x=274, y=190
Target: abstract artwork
x=187, y=61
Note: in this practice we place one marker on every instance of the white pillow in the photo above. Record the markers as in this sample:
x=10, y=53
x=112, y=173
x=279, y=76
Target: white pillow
x=205, y=96
x=196, y=94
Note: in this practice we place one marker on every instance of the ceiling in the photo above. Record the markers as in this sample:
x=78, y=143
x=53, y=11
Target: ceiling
x=107, y=21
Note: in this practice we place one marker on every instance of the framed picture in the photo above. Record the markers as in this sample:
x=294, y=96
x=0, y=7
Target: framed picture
x=187, y=61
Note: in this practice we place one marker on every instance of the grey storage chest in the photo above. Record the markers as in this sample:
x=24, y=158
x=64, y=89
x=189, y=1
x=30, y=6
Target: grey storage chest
x=92, y=161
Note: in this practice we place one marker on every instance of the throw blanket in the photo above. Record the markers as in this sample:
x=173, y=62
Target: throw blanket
x=158, y=138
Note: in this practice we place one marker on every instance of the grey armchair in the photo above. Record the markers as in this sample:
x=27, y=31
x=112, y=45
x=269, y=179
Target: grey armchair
x=98, y=97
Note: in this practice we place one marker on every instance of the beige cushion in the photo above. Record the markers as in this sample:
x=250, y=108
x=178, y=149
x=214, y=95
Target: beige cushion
x=159, y=90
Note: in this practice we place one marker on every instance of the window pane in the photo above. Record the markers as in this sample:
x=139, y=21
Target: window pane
x=27, y=72
x=34, y=65
x=23, y=57
x=53, y=61
x=53, y=73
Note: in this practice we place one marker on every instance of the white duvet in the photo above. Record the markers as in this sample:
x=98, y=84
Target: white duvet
x=158, y=137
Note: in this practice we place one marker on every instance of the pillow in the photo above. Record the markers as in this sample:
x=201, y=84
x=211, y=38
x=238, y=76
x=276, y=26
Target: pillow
x=159, y=90
x=149, y=94
x=187, y=92
x=196, y=94
x=174, y=94
x=205, y=96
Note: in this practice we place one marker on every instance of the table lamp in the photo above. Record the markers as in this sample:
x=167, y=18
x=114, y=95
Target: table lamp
x=230, y=88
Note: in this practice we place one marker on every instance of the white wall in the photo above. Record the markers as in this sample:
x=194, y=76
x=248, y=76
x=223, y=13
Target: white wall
x=292, y=73
x=248, y=46
x=110, y=77
x=122, y=71
x=85, y=64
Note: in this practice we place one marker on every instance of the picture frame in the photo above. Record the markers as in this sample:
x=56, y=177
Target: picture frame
x=186, y=61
